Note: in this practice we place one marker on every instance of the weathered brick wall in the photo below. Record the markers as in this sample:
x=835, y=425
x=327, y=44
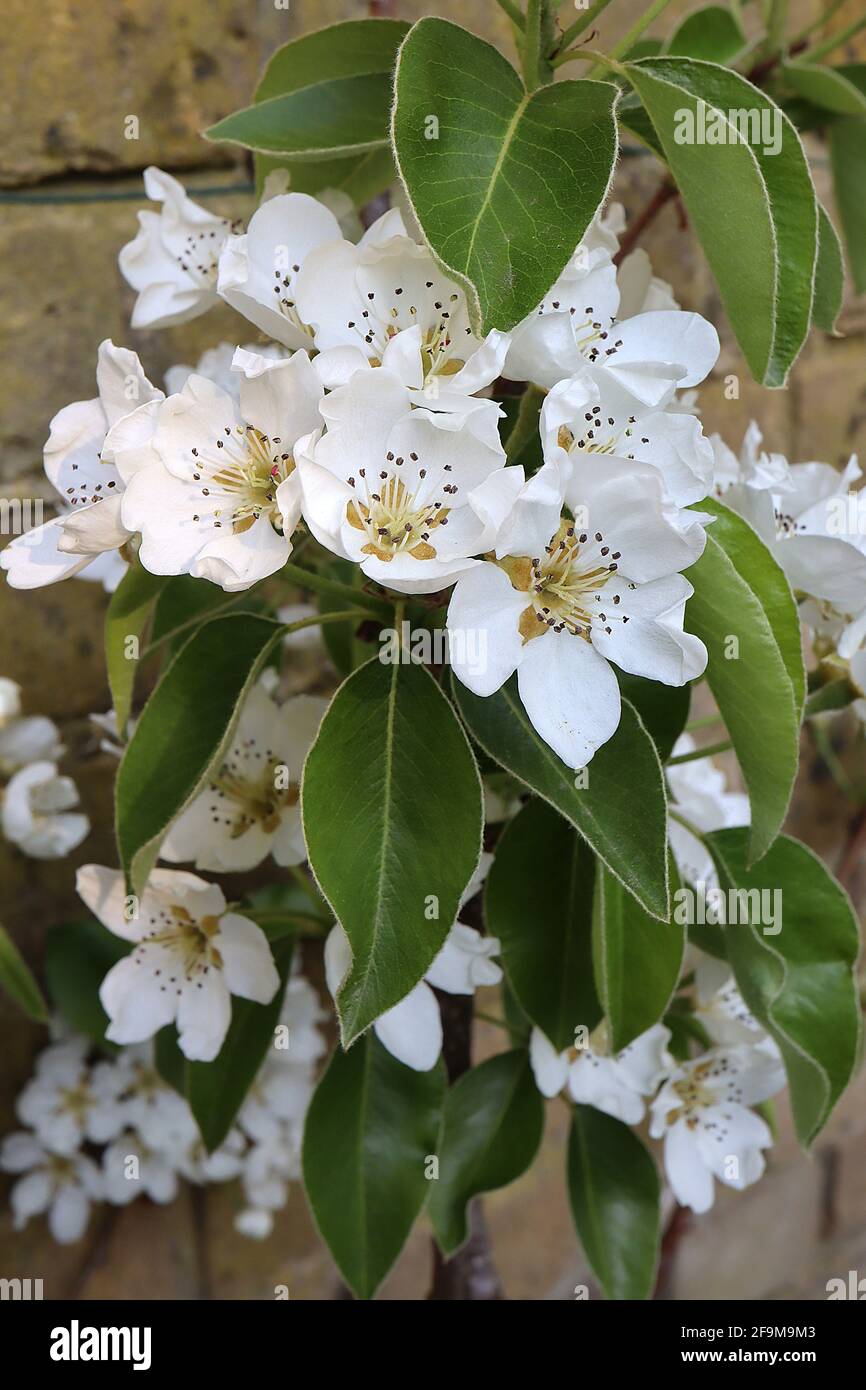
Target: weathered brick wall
x=73, y=72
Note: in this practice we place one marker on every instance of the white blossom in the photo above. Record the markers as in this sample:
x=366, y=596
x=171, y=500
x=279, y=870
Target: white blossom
x=173, y=260
x=191, y=955
x=410, y=495
x=63, y=1185
x=615, y=1083
x=251, y=805
x=702, y=1112
x=218, y=496
x=38, y=812
x=564, y=597
x=91, y=451
x=65, y=1103
x=385, y=303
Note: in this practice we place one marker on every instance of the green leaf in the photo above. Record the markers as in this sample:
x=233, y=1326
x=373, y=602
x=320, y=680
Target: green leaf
x=712, y=33
x=78, y=956
x=664, y=709
x=800, y=981
x=392, y=810
x=216, y=1090
x=128, y=611
x=633, y=117
x=829, y=274
x=169, y=1060
x=183, y=603
x=741, y=593
x=538, y=901
x=351, y=49
x=613, y=1187
x=371, y=1128
x=508, y=182
x=637, y=960
x=184, y=729
x=825, y=87
x=622, y=810
x=494, y=1116
x=848, y=161
x=833, y=695
x=344, y=117
x=754, y=212
x=18, y=981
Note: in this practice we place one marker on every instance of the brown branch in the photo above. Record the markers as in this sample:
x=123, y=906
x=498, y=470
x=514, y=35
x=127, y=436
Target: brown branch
x=678, y=1224
x=666, y=190
x=852, y=854
x=761, y=70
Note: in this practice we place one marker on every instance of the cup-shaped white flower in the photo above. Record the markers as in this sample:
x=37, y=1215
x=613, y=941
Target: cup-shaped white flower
x=591, y=414
x=63, y=1185
x=613, y=1082
x=721, y=1008
x=190, y=957
x=173, y=260
x=84, y=473
x=65, y=1103
x=258, y=272
x=807, y=515
x=703, y=1114
x=409, y=494
x=571, y=590
x=219, y=497
x=38, y=812
x=251, y=806
x=385, y=303
x=412, y=1029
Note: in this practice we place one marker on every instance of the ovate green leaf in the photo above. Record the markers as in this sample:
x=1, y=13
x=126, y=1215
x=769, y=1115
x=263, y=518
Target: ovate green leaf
x=614, y=1191
x=392, y=809
x=504, y=184
x=494, y=1116
x=371, y=1129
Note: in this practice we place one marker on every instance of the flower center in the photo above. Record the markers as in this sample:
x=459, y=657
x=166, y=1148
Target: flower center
x=241, y=471
x=200, y=253
x=601, y=434
x=388, y=313
x=396, y=520
x=75, y=1100
x=187, y=940
x=254, y=801
x=591, y=336
x=565, y=584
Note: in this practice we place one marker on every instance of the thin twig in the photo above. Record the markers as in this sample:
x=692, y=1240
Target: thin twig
x=667, y=189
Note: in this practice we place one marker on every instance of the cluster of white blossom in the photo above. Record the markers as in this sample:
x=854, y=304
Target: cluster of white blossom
x=111, y=1129
x=37, y=805
x=814, y=523
x=701, y=1106
x=366, y=417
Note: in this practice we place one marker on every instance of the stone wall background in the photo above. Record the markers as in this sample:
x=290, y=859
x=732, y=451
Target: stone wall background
x=72, y=72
